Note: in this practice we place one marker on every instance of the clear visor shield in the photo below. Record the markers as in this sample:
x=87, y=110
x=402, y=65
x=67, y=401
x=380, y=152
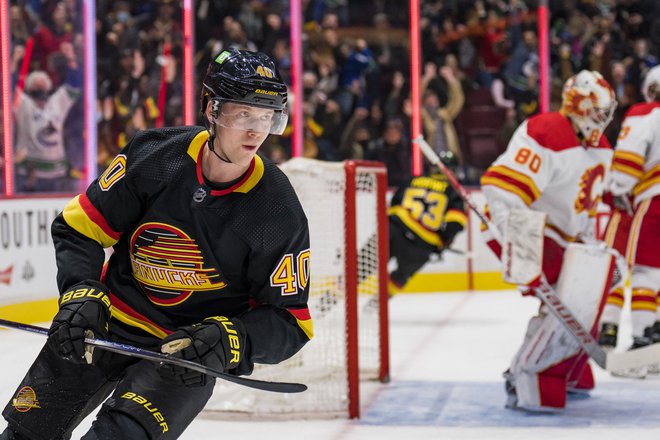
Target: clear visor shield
x=251, y=118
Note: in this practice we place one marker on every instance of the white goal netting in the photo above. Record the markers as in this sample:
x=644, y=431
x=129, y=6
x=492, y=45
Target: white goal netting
x=323, y=363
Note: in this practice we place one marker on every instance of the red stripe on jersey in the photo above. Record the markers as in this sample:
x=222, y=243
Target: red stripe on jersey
x=222, y=192
x=301, y=314
x=517, y=183
x=125, y=308
x=642, y=109
x=618, y=160
x=229, y=190
x=95, y=216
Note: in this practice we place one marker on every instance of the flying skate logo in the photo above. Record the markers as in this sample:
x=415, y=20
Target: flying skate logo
x=169, y=266
x=199, y=195
x=25, y=400
x=585, y=200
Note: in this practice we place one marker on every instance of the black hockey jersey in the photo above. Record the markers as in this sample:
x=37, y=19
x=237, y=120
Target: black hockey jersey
x=184, y=251
x=430, y=208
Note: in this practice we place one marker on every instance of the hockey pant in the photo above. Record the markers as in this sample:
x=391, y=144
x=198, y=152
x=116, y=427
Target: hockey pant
x=645, y=277
x=56, y=395
x=550, y=363
x=616, y=236
x=409, y=252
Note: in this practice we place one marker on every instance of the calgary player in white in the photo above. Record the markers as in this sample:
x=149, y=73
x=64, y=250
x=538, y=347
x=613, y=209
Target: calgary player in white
x=555, y=163
x=635, y=187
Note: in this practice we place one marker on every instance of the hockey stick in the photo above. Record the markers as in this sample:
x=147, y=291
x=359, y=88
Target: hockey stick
x=129, y=350
x=608, y=361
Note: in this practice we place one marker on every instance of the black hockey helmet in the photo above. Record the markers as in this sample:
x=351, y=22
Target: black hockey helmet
x=249, y=78
x=449, y=159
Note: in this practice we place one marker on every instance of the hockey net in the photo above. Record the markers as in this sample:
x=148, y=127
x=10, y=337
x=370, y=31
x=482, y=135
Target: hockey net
x=345, y=203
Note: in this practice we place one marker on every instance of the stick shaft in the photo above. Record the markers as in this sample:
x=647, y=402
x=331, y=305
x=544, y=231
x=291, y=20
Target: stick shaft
x=129, y=350
x=545, y=292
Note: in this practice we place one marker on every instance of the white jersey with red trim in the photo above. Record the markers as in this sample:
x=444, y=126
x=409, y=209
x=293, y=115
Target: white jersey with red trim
x=545, y=168
x=636, y=163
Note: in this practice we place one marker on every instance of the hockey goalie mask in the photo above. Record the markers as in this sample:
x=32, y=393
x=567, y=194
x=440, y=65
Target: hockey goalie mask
x=246, y=91
x=589, y=102
x=651, y=85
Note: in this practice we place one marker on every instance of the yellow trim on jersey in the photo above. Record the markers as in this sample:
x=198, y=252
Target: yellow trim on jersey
x=642, y=305
x=507, y=187
x=610, y=233
x=650, y=178
x=614, y=301
x=454, y=215
x=521, y=179
x=76, y=217
x=629, y=156
x=633, y=172
x=640, y=212
x=197, y=144
x=254, y=178
x=307, y=326
x=128, y=320
x=412, y=224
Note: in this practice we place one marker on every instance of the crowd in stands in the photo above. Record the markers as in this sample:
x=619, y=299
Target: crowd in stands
x=479, y=75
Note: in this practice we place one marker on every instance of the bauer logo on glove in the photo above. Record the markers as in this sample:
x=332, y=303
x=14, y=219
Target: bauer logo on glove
x=217, y=342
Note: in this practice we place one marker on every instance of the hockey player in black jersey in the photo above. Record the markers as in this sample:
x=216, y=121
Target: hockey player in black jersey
x=425, y=215
x=210, y=263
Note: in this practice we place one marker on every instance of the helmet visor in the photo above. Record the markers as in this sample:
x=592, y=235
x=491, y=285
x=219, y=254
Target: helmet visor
x=241, y=116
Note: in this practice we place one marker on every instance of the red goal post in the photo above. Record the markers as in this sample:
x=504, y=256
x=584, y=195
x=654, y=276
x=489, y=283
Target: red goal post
x=345, y=204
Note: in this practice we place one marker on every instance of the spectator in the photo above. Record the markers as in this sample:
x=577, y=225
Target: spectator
x=438, y=117
x=40, y=156
x=393, y=149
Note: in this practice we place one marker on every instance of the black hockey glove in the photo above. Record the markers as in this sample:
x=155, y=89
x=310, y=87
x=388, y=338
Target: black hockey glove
x=84, y=312
x=217, y=342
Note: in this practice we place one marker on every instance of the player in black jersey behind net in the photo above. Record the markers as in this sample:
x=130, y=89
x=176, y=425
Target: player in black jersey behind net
x=210, y=264
x=425, y=215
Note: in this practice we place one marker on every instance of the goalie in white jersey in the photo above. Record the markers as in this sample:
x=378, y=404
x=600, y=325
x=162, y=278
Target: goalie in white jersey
x=555, y=163
x=635, y=182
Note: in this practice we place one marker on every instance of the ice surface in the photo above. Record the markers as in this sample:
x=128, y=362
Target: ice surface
x=448, y=351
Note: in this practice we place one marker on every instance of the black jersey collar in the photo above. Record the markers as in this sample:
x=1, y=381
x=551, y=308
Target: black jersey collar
x=253, y=176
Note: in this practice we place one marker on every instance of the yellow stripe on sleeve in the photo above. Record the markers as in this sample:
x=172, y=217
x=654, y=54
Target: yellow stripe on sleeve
x=77, y=217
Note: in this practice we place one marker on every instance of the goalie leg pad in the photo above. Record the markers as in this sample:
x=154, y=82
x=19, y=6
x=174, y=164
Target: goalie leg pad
x=550, y=358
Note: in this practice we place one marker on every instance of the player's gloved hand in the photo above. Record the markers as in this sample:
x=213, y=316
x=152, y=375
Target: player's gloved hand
x=622, y=203
x=217, y=343
x=84, y=312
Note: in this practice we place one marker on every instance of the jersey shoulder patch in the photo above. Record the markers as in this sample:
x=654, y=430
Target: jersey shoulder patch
x=642, y=109
x=553, y=131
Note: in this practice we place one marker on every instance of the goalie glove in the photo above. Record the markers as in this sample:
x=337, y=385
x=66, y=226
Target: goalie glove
x=217, y=343
x=84, y=312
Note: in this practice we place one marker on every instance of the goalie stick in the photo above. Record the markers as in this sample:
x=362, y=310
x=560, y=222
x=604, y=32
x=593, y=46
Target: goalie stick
x=610, y=361
x=129, y=350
